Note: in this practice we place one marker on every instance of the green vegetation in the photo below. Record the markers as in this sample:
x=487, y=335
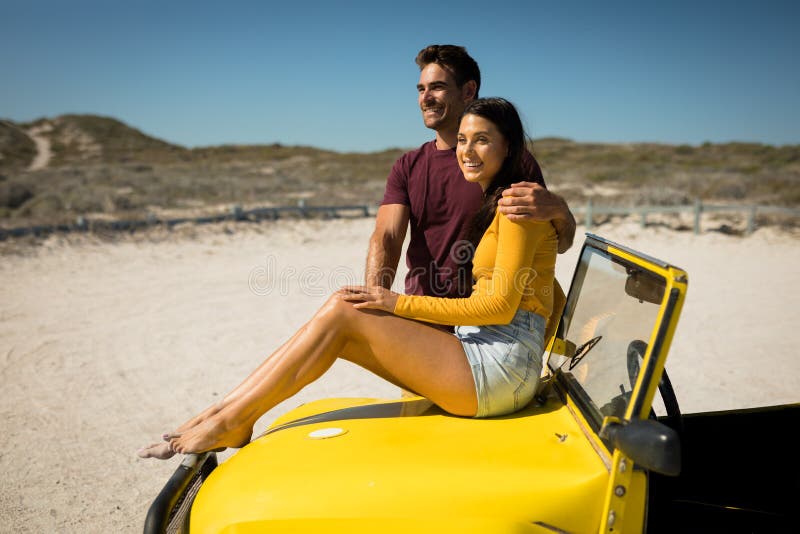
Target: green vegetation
x=102, y=166
x=17, y=150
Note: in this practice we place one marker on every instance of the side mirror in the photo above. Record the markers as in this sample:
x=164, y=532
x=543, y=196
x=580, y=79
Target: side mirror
x=648, y=443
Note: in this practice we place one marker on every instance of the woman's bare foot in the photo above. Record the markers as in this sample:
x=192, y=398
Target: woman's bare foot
x=202, y=416
x=212, y=434
x=161, y=450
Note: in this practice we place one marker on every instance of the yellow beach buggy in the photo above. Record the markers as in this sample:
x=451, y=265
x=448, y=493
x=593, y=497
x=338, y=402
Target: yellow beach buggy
x=602, y=448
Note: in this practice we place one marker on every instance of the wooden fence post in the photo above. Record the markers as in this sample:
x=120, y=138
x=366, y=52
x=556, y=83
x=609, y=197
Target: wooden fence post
x=698, y=209
x=236, y=212
x=751, y=220
x=589, y=215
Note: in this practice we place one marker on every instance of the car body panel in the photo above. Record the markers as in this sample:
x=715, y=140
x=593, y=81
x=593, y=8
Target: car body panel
x=390, y=525
x=427, y=465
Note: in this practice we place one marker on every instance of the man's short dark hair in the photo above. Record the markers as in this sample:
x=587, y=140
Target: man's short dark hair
x=455, y=60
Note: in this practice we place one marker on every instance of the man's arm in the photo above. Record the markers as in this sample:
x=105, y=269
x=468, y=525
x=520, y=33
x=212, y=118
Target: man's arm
x=386, y=244
x=527, y=200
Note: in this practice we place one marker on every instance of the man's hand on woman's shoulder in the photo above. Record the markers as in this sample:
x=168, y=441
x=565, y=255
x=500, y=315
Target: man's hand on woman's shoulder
x=528, y=200
x=531, y=201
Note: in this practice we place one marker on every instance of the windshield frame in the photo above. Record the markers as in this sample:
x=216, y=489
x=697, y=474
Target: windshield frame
x=652, y=364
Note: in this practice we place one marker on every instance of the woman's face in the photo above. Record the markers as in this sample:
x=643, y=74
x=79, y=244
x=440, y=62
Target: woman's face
x=481, y=149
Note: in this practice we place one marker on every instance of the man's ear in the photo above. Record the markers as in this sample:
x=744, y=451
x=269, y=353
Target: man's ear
x=468, y=90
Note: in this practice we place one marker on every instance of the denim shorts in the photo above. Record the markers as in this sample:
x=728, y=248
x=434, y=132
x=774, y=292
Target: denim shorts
x=506, y=362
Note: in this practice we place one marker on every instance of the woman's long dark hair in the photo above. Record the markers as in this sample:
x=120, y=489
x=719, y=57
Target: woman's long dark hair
x=504, y=116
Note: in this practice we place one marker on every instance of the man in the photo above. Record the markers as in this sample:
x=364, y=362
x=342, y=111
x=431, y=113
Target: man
x=427, y=189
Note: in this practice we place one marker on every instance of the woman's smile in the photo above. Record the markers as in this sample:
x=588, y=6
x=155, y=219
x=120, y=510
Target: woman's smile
x=480, y=149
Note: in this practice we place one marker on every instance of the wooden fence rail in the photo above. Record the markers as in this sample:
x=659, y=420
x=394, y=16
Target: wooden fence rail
x=590, y=211
x=236, y=213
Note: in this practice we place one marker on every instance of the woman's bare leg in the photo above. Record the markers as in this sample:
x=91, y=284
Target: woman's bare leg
x=162, y=449
x=254, y=378
x=416, y=356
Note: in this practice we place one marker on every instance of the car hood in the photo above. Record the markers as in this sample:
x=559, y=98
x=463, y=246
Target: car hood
x=407, y=462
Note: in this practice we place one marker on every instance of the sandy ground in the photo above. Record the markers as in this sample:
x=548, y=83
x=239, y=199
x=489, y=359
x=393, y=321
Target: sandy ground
x=43, y=149
x=105, y=345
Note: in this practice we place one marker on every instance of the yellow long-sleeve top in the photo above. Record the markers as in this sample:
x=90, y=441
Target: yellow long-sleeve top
x=513, y=268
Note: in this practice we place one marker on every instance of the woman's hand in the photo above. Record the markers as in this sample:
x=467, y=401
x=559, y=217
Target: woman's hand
x=376, y=298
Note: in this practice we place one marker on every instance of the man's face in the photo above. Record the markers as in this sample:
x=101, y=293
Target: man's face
x=442, y=102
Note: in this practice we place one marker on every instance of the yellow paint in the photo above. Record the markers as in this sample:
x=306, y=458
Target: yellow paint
x=431, y=469
x=625, y=513
x=388, y=525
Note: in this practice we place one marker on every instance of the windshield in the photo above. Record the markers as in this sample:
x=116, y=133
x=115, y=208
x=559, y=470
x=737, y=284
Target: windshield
x=611, y=314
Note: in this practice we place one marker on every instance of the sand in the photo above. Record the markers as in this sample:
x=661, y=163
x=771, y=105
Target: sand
x=44, y=152
x=104, y=345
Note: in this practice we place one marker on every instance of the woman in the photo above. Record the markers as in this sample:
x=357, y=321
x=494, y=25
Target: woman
x=481, y=371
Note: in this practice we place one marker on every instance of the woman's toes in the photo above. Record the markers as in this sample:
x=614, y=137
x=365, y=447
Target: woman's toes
x=162, y=451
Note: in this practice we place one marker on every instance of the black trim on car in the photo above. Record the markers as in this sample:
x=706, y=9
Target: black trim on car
x=170, y=510
x=582, y=399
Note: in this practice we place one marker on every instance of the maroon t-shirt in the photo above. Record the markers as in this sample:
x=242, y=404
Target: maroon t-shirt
x=431, y=184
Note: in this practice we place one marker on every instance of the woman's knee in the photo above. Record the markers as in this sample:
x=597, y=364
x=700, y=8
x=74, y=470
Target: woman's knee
x=336, y=311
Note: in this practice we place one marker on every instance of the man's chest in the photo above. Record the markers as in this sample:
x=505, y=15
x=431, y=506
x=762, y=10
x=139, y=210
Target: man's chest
x=443, y=197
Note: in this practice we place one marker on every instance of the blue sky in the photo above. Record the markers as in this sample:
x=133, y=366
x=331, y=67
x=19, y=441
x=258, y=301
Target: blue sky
x=341, y=75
